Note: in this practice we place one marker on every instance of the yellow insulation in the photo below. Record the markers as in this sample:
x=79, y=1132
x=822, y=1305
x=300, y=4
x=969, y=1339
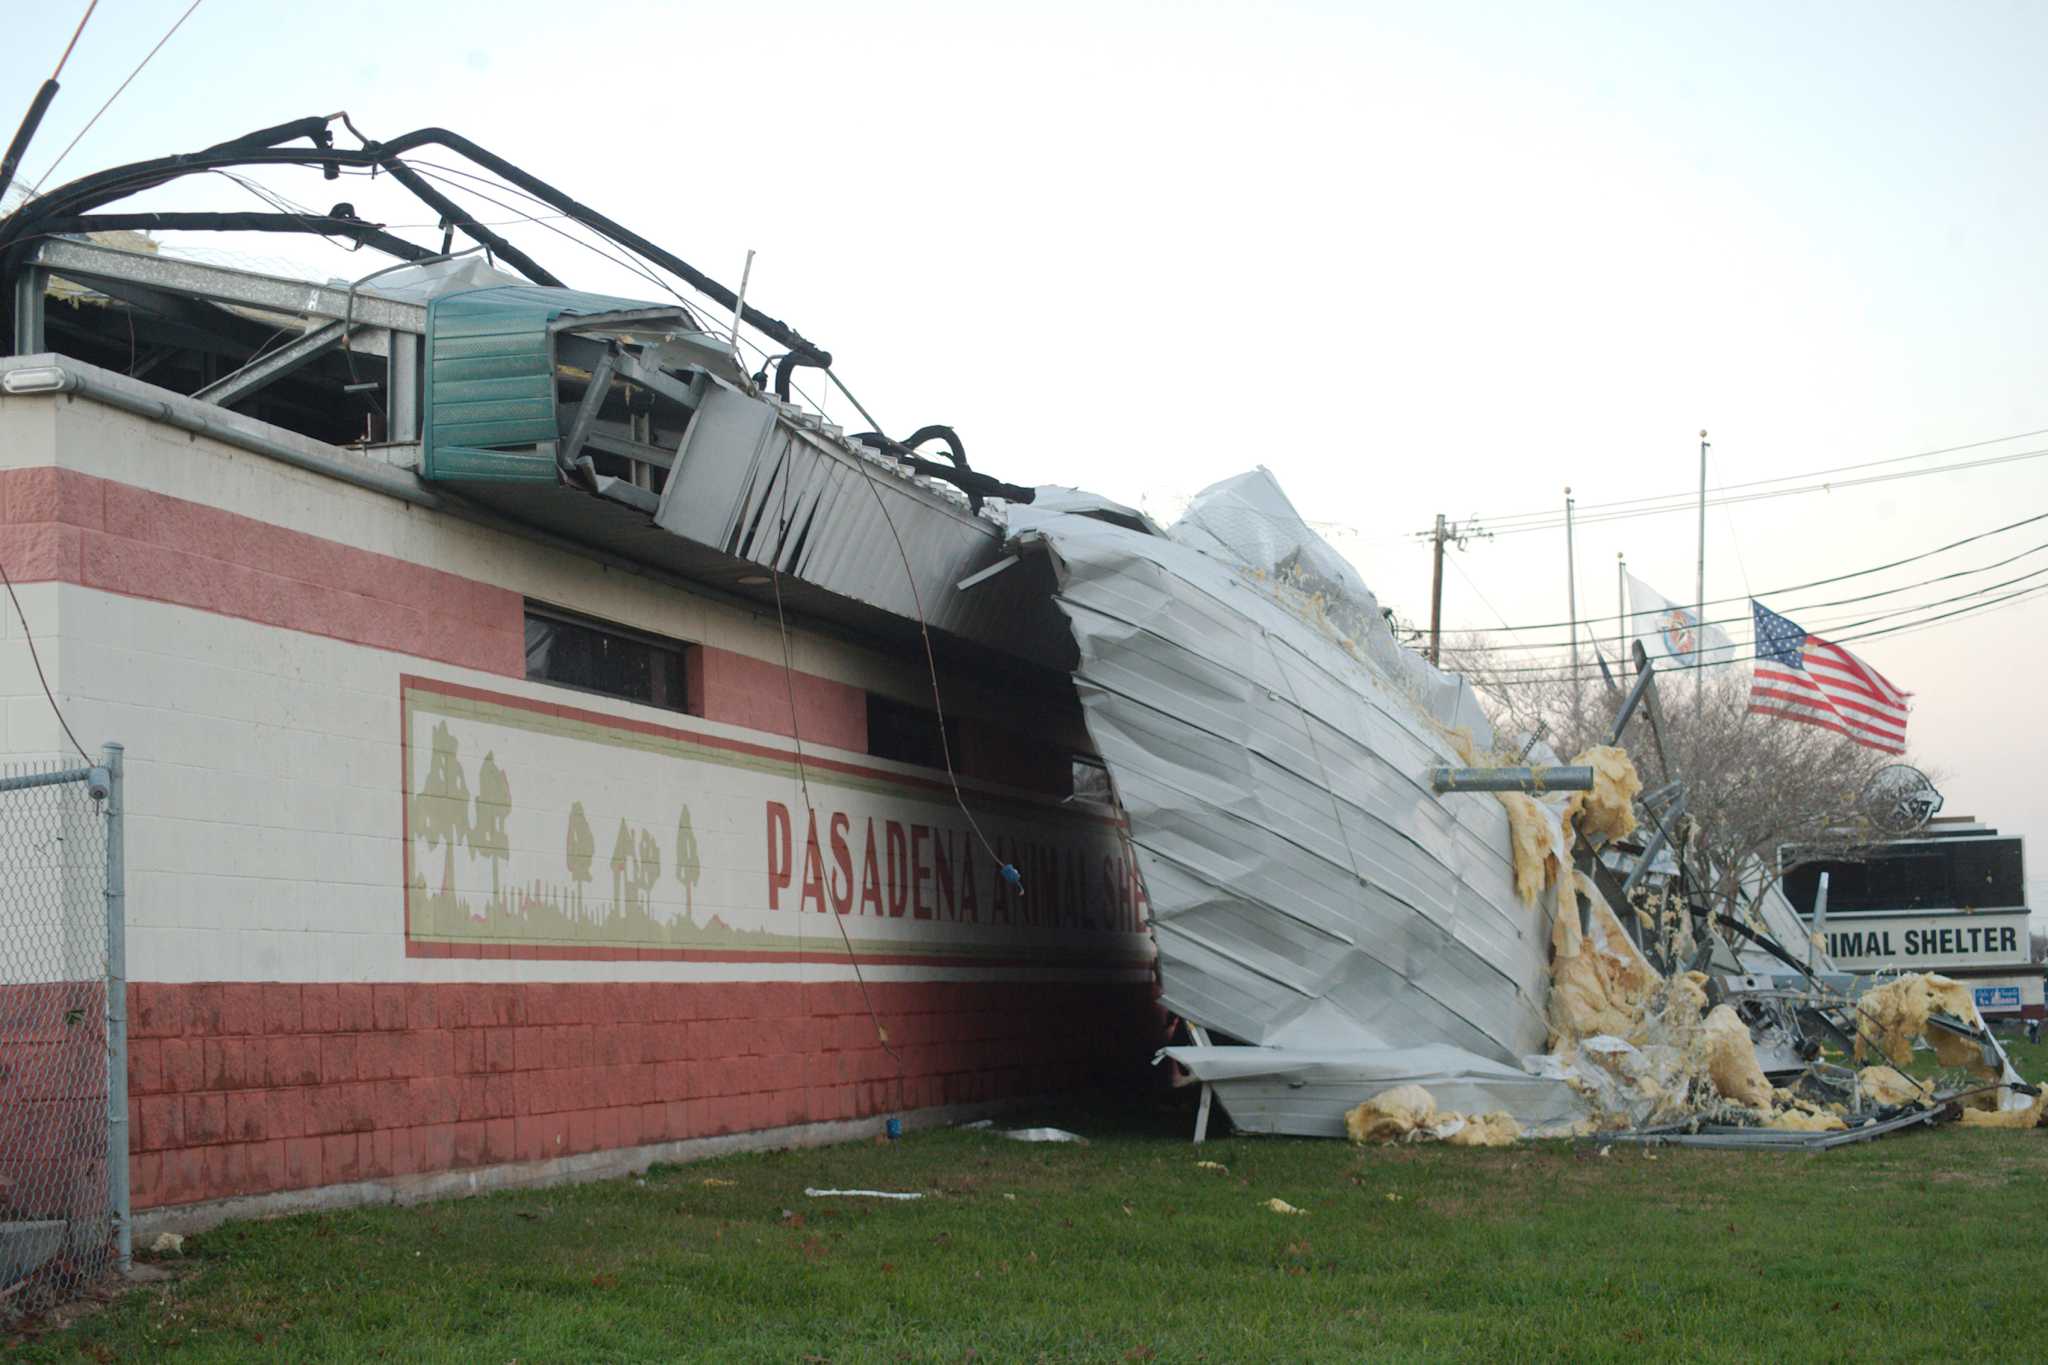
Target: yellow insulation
x=1893, y=1015
x=1887, y=1085
x=1391, y=1114
x=1731, y=1060
x=1804, y=1118
x=1533, y=839
x=1486, y=1130
x=1599, y=982
x=1608, y=809
x=1409, y=1113
x=2005, y=1118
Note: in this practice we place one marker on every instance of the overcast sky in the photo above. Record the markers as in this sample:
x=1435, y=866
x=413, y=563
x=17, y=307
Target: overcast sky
x=1412, y=258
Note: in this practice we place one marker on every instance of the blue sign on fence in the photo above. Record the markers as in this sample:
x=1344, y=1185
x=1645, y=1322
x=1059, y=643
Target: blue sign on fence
x=1998, y=997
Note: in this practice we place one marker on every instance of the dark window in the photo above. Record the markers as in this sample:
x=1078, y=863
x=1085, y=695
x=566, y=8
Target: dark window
x=1927, y=875
x=593, y=657
x=909, y=734
x=1090, y=781
x=1988, y=874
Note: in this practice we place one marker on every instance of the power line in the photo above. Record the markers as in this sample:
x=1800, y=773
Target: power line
x=1690, y=497
x=76, y=34
x=1805, y=607
x=111, y=98
x=1562, y=672
x=1839, y=623
x=1823, y=582
x=1826, y=487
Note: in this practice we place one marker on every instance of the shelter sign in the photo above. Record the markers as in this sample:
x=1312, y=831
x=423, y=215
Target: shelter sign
x=1862, y=943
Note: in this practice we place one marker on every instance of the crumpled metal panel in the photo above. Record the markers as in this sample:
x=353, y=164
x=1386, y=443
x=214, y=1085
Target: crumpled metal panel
x=1306, y=1092
x=754, y=483
x=1308, y=889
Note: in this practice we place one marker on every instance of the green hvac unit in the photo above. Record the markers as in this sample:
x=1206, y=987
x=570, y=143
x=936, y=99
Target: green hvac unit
x=490, y=392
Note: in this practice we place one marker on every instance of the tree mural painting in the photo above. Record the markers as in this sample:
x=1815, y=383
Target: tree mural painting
x=490, y=837
x=687, y=867
x=582, y=850
x=646, y=871
x=622, y=854
x=636, y=870
x=440, y=810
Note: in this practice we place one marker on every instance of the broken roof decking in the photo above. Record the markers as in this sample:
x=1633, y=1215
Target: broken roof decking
x=719, y=521
x=1307, y=887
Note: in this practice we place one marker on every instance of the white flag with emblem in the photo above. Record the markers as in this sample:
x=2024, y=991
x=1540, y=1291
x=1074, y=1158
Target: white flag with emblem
x=1671, y=633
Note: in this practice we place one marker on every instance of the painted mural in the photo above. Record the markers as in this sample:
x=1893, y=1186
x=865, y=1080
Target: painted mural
x=560, y=831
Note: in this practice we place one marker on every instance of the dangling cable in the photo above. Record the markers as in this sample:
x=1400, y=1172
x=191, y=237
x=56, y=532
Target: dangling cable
x=1009, y=872
x=37, y=660
x=803, y=775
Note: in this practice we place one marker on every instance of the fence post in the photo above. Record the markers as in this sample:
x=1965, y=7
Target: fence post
x=117, y=1011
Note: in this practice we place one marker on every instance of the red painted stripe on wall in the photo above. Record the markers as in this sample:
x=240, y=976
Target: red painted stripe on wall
x=249, y=1088
x=66, y=527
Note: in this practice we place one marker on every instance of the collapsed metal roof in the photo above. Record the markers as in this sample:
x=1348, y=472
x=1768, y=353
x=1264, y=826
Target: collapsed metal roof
x=1322, y=899
x=620, y=424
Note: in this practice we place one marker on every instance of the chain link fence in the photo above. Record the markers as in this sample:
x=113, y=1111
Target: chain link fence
x=63, y=1034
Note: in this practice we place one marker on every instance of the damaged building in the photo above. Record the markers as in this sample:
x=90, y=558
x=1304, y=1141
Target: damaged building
x=551, y=744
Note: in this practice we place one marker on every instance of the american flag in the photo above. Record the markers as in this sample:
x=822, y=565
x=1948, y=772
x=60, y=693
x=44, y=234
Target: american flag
x=1805, y=678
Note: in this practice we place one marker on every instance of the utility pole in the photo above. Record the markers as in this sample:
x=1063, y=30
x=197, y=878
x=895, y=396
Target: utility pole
x=1571, y=585
x=1436, y=593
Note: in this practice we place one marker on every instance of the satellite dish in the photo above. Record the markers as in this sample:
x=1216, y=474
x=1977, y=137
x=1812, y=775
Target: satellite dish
x=1899, y=800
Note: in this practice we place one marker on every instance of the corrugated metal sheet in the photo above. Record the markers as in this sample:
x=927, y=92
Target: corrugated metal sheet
x=771, y=489
x=1309, y=891
x=1306, y=1092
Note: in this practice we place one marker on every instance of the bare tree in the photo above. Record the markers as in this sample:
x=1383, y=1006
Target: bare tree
x=1755, y=785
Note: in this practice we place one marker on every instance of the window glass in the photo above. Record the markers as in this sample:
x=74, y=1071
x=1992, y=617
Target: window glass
x=613, y=663
x=909, y=734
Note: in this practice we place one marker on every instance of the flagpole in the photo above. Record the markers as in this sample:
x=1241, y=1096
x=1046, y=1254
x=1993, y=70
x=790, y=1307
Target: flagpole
x=1571, y=581
x=1699, y=620
x=1621, y=606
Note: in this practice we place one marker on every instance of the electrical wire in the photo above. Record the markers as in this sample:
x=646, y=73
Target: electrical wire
x=37, y=189
x=75, y=35
x=645, y=269
x=1803, y=608
x=1817, y=582
x=1829, y=486
x=804, y=780
x=1563, y=672
x=1009, y=872
x=443, y=176
x=37, y=659
x=1690, y=498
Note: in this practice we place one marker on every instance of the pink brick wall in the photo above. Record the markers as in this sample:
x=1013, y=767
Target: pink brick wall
x=250, y=1088
x=57, y=525
x=742, y=690
x=53, y=1099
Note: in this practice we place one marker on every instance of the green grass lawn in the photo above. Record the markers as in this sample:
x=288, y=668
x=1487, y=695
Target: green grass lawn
x=1927, y=1244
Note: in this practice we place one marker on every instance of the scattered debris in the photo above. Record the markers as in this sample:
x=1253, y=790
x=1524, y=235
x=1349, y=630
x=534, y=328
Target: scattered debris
x=168, y=1244
x=715, y=1182
x=863, y=1194
x=1282, y=1206
x=1408, y=1113
x=1216, y=1166
x=1043, y=1135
